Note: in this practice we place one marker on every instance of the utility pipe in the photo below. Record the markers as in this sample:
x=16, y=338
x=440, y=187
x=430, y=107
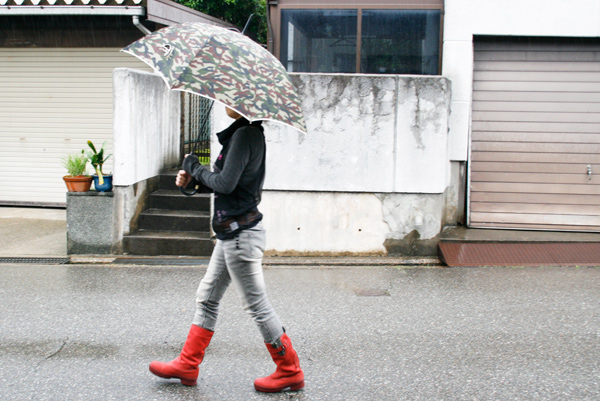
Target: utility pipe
x=138, y=25
x=270, y=39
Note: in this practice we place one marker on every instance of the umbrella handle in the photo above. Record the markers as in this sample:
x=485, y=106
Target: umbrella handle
x=193, y=192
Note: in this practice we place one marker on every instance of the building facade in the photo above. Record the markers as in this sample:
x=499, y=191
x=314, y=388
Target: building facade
x=421, y=115
x=523, y=125
x=525, y=112
x=56, y=89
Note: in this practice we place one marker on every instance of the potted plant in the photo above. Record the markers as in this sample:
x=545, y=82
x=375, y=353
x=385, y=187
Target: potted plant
x=76, y=180
x=102, y=182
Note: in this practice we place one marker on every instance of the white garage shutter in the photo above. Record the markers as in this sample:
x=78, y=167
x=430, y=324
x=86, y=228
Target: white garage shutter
x=52, y=101
x=535, y=135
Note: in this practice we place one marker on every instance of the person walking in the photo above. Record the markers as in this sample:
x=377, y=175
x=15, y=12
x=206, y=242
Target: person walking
x=237, y=183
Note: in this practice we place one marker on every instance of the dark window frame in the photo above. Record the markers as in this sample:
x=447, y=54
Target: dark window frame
x=426, y=5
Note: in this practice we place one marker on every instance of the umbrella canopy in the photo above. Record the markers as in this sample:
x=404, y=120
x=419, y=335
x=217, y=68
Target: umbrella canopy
x=225, y=66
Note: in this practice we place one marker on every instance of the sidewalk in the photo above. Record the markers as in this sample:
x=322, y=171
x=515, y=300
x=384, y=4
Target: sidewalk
x=33, y=232
x=41, y=233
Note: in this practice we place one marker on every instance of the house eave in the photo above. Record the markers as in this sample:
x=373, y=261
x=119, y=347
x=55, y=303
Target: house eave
x=72, y=10
x=165, y=12
x=168, y=12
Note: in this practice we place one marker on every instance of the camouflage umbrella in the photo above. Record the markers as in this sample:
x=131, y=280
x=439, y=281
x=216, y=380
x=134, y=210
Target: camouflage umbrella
x=225, y=66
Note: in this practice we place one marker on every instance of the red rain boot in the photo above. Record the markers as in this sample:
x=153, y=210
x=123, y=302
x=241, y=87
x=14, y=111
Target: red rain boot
x=288, y=372
x=185, y=366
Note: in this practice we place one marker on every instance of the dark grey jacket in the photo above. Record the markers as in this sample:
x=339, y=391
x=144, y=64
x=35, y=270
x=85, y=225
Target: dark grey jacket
x=239, y=171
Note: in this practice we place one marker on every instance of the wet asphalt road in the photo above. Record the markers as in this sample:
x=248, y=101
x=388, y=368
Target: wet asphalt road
x=76, y=332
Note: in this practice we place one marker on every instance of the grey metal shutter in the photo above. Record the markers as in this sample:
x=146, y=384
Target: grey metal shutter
x=52, y=101
x=535, y=135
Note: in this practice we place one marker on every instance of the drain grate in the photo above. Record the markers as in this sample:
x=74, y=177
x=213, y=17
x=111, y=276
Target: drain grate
x=41, y=261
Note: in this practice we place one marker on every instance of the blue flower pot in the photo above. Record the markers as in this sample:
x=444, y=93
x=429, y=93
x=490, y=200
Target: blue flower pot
x=107, y=186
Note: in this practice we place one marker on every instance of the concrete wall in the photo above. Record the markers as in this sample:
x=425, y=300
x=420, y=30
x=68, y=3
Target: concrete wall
x=372, y=174
x=370, y=177
x=146, y=142
x=366, y=133
x=465, y=18
x=146, y=126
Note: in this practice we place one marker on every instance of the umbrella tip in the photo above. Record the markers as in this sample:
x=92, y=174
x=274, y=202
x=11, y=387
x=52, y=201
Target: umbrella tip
x=247, y=23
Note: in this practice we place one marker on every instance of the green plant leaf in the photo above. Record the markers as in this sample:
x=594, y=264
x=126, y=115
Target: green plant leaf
x=75, y=164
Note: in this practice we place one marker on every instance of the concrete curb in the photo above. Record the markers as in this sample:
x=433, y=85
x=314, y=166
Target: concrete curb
x=267, y=261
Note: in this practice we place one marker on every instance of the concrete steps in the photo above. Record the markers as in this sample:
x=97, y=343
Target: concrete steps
x=174, y=220
x=167, y=199
x=169, y=243
x=173, y=225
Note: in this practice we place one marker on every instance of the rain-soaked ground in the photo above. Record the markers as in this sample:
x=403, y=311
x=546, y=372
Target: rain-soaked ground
x=77, y=332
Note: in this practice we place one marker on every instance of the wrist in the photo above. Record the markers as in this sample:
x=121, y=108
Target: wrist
x=189, y=162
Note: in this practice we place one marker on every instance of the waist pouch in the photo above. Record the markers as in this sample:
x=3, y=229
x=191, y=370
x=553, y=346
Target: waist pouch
x=232, y=226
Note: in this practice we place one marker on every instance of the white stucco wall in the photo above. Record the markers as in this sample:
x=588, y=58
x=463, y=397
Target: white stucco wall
x=465, y=18
x=366, y=133
x=323, y=222
x=373, y=166
x=146, y=126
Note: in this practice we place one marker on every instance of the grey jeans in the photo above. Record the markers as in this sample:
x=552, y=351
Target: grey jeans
x=238, y=260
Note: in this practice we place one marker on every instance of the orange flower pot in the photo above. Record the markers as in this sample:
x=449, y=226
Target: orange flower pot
x=80, y=183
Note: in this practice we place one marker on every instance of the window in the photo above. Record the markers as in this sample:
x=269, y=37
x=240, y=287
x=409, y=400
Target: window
x=318, y=40
x=398, y=41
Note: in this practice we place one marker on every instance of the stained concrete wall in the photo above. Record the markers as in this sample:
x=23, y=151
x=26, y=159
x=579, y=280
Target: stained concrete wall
x=371, y=176
x=366, y=133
